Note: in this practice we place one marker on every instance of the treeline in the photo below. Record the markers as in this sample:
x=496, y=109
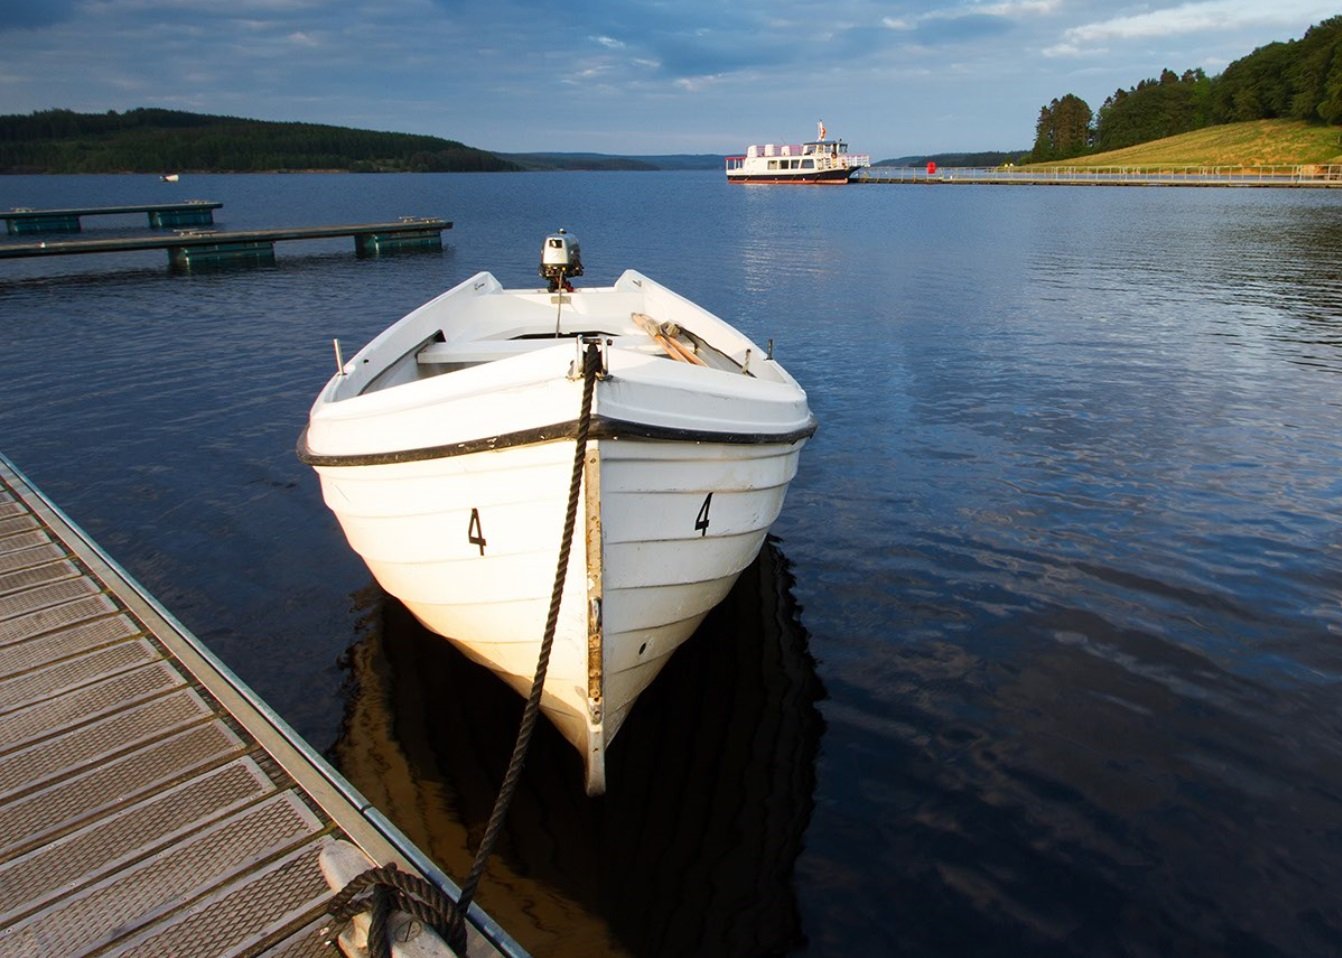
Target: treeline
x=156, y=141
x=593, y=162
x=1297, y=79
x=606, y=162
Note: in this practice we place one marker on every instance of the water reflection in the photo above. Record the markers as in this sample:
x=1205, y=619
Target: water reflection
x=1120, y=796
x=692, y=849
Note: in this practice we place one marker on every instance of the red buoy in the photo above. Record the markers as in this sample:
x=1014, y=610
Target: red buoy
x=931, y=167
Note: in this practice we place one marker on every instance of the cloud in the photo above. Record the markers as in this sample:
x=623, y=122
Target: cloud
x=968, y=21
x=1062, y=50
x=697, y=84
x=1209, y=16
x=1014, y=8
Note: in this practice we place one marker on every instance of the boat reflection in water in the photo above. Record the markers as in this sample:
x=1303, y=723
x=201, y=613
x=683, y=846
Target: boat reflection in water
x=691, y=850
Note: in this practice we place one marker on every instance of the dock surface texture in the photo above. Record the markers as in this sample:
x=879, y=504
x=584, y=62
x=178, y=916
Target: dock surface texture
x=150, y=804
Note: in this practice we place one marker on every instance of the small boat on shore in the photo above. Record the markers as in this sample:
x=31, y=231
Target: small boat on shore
x=821, y=161
x=446, y=447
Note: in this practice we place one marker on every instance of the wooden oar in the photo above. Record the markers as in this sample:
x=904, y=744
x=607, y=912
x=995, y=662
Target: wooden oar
x=659, y=332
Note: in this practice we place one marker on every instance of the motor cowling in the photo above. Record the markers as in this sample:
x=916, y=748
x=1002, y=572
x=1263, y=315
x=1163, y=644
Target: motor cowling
x=561, y=257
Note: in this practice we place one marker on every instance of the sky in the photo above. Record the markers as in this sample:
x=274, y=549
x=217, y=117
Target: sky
x=640, y=77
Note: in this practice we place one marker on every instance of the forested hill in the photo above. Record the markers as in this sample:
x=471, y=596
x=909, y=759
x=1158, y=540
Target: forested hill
x=608, y=162
x=1291, y=80
x=157, y=141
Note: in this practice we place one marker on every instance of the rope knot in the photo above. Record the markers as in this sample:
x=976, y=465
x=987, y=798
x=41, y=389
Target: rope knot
x=390, y=889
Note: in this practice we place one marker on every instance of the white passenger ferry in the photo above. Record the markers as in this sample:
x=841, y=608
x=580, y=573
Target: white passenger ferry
x=822, y=160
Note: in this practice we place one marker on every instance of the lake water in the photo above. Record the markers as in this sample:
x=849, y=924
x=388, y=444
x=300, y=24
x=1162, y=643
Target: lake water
x=1046, y=657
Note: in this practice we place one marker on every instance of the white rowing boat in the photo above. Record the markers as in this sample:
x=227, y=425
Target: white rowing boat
x=445, y=449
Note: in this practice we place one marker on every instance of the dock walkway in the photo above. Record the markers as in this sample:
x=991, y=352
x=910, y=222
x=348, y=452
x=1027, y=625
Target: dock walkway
x=150, y=803
x=189, y=213
x=1308, y=176
x=188, y=247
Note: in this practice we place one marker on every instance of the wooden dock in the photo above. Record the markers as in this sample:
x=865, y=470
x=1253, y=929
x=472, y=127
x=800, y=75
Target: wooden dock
x=187, y=248
x=150, y=803
x=188, y=213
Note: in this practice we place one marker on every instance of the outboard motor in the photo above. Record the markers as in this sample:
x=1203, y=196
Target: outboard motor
x=561, y=257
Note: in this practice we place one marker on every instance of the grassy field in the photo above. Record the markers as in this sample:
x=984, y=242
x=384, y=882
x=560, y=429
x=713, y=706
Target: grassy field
x=1256, y=143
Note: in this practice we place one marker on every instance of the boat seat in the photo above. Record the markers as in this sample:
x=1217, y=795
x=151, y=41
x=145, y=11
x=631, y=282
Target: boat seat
x=479, y=351
x=492, y=350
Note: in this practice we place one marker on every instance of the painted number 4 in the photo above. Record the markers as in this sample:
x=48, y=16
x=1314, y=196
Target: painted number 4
x=475, y=535
x=701, y=520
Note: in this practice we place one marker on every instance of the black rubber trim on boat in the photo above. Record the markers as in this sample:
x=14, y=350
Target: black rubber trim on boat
x=601, y=429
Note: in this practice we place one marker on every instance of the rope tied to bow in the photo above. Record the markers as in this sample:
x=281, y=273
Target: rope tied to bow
x=394, y=889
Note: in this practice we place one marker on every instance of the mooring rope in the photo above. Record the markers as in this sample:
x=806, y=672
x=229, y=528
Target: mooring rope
x=426, y=902
x=591, y=366
x=393, y=889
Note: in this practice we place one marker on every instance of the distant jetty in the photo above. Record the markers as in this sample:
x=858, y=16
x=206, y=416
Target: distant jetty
x=197, y=247
x=1305, y=176
x=190, y=213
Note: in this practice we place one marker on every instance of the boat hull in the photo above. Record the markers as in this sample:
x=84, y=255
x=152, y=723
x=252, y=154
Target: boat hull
x=445, y=449
x=837, y=177
x=470, y=545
